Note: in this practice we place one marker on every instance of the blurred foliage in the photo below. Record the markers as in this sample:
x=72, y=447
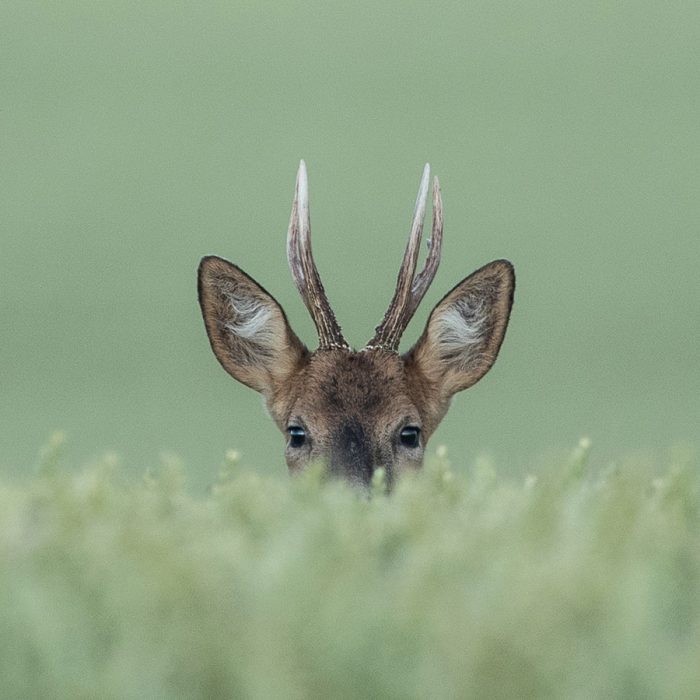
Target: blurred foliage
x=572, y=583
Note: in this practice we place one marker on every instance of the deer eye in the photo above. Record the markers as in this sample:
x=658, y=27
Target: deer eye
x=297, y=436
x=410, y=436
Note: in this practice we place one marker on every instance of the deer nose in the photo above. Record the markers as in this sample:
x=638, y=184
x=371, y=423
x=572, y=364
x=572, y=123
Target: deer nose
x=352, y=455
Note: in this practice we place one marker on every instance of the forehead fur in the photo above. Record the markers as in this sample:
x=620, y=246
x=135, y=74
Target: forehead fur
x=351, y=383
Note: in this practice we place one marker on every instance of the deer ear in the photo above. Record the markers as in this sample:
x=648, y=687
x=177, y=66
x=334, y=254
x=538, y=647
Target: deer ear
x=247, y=328
x=465, y=330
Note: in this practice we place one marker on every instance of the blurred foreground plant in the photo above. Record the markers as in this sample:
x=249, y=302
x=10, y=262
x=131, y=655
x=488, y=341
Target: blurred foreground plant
x=566, y=584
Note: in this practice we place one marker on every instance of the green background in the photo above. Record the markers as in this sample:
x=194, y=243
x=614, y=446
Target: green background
x=137, y=137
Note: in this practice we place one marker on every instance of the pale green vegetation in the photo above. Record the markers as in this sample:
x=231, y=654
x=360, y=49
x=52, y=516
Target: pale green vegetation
x=571, y=583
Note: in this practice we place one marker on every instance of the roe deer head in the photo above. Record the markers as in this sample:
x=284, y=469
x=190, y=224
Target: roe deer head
x=357, y=410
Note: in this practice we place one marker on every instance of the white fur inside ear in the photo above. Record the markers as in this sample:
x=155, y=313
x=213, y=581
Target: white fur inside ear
x=461, y=328
x=250, y=319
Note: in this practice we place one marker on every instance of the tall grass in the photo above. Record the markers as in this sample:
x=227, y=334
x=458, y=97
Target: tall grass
x=570, y=583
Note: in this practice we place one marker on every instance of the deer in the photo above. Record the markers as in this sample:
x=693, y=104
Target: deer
x=355, y=411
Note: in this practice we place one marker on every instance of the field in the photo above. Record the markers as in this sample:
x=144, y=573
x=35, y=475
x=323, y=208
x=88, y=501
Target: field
x=137, y=137
x=575, y=582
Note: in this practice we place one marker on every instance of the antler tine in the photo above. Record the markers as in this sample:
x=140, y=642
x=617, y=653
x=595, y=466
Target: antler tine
x=293, y=243
x=425, y=278
x=303, y=268
x=409, y=292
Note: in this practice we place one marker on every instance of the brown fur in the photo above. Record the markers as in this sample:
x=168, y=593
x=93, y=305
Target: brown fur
x=354, y=405
x=341, y=393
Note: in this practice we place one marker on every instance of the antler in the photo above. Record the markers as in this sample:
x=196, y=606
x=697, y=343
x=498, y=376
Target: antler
x=411, y=288
x=304, y=272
